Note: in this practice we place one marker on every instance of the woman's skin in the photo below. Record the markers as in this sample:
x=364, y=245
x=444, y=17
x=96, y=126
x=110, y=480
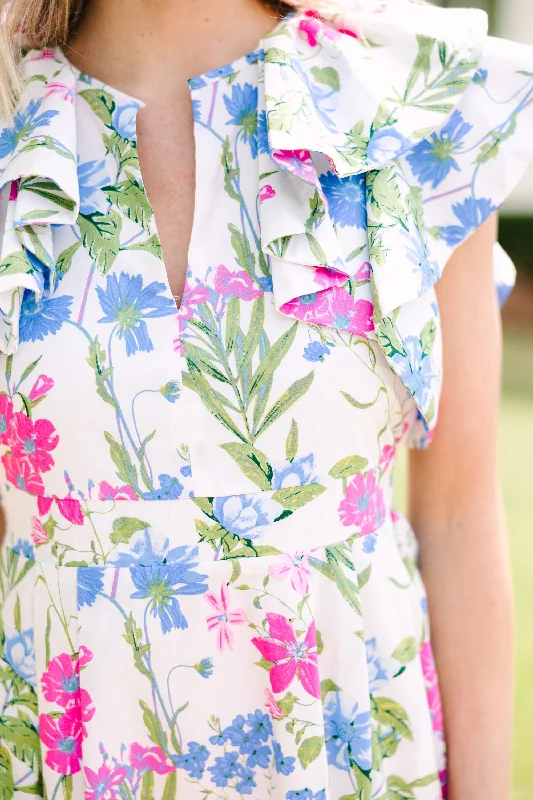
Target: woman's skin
x=148, y=48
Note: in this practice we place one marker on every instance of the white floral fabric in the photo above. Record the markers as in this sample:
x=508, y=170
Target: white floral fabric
x=205, y=588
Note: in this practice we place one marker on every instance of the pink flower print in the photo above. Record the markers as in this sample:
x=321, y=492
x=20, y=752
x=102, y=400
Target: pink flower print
x=266, y=193
x=6, y=418
x=432, y=686
x=192, y=296
x=312, y=27
x=14, y=191
x=298, y=162
x=102, y=783
x=363, y=504
x=42, y=386
x=387, y=457
x=38, y=533
x=363, y=273
x=443, y=778
x=223, y=618
x=289, y=656
x=62, y=89
x=62, y=736
x=294, y=566
x=395, y=517
x=69, y=508
x=34, y=440
x=108, y=492
x=275, y=710
x=235, y=284
x=46, y=53
x=20, y=473
x=151, y=759
x=327, y=278
x=354, y=316
x=61, y=685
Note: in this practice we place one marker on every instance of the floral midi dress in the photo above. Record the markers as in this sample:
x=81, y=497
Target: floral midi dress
x=206, y=592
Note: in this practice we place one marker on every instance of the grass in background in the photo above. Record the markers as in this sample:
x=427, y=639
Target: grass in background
x=516, y=454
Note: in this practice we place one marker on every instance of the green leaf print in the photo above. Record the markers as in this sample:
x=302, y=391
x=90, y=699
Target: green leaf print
x=133, y=636
x=49, y=190
x=310, y=749
x=203, y=362
x=64, y=261
x=427, y=337
x=22, y=739
x=96, y=361
x=195, y=380
x=126, y=470
x=406, y=651
x=391, y=714
x=291, y=446
x=171, y=787
x=252, y=338
x=68, y=787
x=287, y=399
x=398, y=789
x=147, y=787
x=100, y=235
x=6, y=774
x=332, y=570
x=232, y=322
x=252, y=463
x=125, y=527
x=151, y=245
x=230, y=173
x=422, y=63
x=388, y=339
x=274, y=357
x=357, y=144
x=124, y=150
x=15, y=263
x=281, y=115
x=327, y=685
x=243, y=252
x=346, y=467
x=129, y=196
x=385, y=196
x=274, y=55
x=328, y=76
x=363, y=406
x=298, y=496
x=101, y=102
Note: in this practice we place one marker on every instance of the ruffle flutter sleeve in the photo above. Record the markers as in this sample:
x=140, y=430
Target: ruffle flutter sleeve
x=396, y=133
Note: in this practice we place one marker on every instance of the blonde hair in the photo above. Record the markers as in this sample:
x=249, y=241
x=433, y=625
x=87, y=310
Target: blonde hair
x=49, y=22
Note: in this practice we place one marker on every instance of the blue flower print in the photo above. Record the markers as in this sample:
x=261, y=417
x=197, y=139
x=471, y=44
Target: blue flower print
x=20, y=654
x=161, y=585
x=246, y=515
x=377, y=674
x=385, y=145
x=346, y=199
x=369, y=543
x=306, y=794
x=246, y=784
x=247, y=733
x=144, y=551
x=433, y=158
x=220, y=72
x=324, y=97
x=92, y=176
x=90, y=584
x=284, y=764
x=124, y=120
x=348, y=734
x=471, y=213
x=197, y=110
x=205, y=667
x=416, y=371
x=194, y=760
x=242, y=108
x=26, y=122
x=38, y=318
x=262, y=133
x=480, y=78
x=127, y=304
x=417, y=255
x=171, y=391
x=169, y=489
x=225, y=768
x=298, y=472
x=24, y=548
x=317, y=351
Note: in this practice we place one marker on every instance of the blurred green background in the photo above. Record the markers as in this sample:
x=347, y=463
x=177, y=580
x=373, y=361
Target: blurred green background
x=514, y=19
